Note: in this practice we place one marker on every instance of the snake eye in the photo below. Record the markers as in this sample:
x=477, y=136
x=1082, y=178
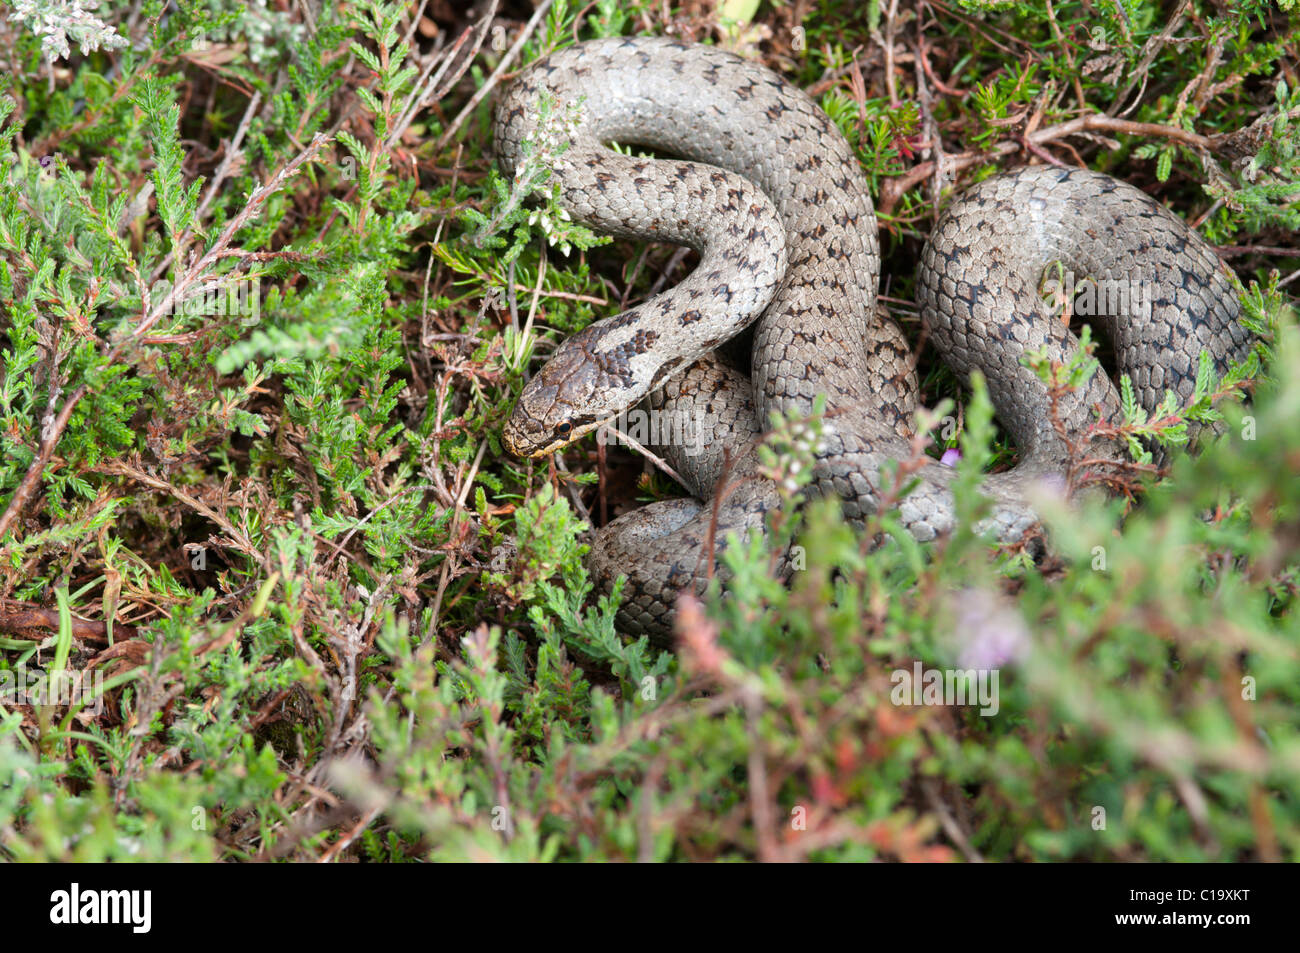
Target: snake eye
x=564, y=428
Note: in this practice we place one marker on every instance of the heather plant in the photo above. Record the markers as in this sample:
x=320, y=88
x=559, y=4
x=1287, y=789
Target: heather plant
x=265, y=303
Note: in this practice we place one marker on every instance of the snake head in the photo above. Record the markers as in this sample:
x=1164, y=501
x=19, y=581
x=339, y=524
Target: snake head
x=567, y=398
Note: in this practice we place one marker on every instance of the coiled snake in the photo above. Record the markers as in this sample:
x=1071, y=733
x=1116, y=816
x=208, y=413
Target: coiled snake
x=769, y=193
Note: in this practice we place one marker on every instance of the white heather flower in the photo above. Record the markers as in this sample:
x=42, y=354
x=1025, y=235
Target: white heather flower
x=55, y=21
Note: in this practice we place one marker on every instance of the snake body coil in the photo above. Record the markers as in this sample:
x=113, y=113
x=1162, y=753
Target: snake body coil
x=770, y=194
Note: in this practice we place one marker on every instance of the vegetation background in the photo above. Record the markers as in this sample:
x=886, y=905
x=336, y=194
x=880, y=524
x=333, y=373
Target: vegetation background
x=334, y=621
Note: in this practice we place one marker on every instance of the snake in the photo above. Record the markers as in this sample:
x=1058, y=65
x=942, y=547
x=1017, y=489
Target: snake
x=750, y=173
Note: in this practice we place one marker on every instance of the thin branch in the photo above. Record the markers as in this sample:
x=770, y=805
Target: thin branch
x=431, y=90
x=492, y=80
x=892, y=190
x=240, y=539
x=50, y=435
x=608, y=432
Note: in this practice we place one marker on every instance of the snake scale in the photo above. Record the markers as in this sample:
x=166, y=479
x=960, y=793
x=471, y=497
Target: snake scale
x=767, y=190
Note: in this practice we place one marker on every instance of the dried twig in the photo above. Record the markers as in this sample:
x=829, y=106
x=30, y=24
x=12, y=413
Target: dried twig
x=236, y=536
x=25, y=619
x=492, y=80
x=892, y=190
x=430, y=90
x=1149, y=53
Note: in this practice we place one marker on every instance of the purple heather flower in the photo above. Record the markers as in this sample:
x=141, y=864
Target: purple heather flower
x=989, y=632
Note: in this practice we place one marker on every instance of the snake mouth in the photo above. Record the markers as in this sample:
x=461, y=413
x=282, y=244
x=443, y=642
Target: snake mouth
x=529, y=439
x=518, y=442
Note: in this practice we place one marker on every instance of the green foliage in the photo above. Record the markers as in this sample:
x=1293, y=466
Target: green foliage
x=176, y=201
x=1269, y=195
